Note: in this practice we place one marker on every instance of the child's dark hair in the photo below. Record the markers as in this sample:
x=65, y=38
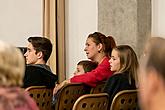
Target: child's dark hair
x=88, y=65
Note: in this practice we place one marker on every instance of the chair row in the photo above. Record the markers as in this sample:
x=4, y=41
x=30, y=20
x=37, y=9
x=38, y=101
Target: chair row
x=67, y=97
x=77, y=97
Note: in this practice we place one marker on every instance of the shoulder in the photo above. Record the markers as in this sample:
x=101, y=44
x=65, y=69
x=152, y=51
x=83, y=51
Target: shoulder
x=32, y=69
x=32, y=66
x=106, y=59
x=105, y=62
x=121, y=77
x=117, y=75
x=35, y=67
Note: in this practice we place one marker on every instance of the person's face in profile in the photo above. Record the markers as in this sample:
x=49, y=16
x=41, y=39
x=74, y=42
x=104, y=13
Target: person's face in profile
x=91, y=49
x=79, y=70
x=115, y=61
x=30, y=55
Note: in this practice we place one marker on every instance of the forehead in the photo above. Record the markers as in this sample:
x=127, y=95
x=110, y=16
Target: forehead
x=115, y=53
x=90, y=40
x=79, y=66
x=30, y=46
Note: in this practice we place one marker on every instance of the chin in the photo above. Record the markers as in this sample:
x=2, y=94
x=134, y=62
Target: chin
x=88, y=57
x=111, y=69
x=28, y=62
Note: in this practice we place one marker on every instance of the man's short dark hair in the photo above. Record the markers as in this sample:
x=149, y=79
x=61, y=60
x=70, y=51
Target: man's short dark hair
x=42, y=44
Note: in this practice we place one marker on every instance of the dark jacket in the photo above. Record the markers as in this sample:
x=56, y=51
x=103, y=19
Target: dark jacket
x=38, y=76
x=117, y=83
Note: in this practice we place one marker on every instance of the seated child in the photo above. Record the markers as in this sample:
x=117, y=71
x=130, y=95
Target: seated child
x=124, y=63
x=82, y=67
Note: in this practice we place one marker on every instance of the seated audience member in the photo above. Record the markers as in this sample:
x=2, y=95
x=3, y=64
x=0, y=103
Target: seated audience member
x=37, y=73
x=152, y=75
x=124, y=63
x=97, y=49
x=12, y=66
x=83, y=66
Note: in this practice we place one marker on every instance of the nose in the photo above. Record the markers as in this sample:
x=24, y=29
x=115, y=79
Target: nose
x=85, y=49
x=25, y=54
x=110, y=61
x=74, y=73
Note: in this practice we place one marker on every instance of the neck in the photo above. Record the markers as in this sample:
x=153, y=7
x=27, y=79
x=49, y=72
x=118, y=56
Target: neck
x=99, y=58
x=40, y=62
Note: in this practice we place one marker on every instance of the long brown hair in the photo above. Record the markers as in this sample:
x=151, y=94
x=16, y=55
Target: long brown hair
x=128, y=61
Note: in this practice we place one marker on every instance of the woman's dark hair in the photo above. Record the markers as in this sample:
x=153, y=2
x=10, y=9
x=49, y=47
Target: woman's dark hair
x=112, y=43
x=107, y=42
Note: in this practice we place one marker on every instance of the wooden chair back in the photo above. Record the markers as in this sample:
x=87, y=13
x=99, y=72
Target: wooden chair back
x=92, y=102
x=42, y=95
x=98, y=89
x=69, y=94
x=125, y=100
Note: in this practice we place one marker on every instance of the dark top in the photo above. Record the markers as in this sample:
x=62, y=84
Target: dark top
x=39, y=76
x=117, y=83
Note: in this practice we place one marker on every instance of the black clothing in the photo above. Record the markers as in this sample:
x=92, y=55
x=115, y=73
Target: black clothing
x=39, y=76
x=117, y=83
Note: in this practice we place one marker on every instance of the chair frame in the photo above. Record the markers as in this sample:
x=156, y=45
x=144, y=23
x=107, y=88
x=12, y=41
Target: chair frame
x=99, y=88
x=42, y=95
x=69, y=93
x=125, y=100
x=98, y=101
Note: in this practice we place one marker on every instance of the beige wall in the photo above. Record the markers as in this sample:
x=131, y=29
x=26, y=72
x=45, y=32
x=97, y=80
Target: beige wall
x=81, y=19
x=158, y=18
x=20, y=19
x=76, y=28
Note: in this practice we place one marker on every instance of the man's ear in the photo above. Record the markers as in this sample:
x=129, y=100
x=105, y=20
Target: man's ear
x=39, y=55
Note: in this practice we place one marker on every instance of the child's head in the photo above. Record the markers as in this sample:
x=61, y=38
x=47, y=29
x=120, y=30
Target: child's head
x=85, y=66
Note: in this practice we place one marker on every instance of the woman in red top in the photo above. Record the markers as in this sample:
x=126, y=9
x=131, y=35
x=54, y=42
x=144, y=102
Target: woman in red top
x=98, y=46
x=97, y=49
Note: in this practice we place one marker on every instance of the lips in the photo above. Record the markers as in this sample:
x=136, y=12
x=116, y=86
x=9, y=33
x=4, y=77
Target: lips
x=111, y=66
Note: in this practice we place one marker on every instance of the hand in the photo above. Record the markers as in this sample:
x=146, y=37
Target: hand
x=59, y=86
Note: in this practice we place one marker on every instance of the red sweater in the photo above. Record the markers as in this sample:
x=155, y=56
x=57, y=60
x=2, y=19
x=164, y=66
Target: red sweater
x=101, y=73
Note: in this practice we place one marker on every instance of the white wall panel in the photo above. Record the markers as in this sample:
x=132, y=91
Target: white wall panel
x=19, y=20
x=81, y=19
